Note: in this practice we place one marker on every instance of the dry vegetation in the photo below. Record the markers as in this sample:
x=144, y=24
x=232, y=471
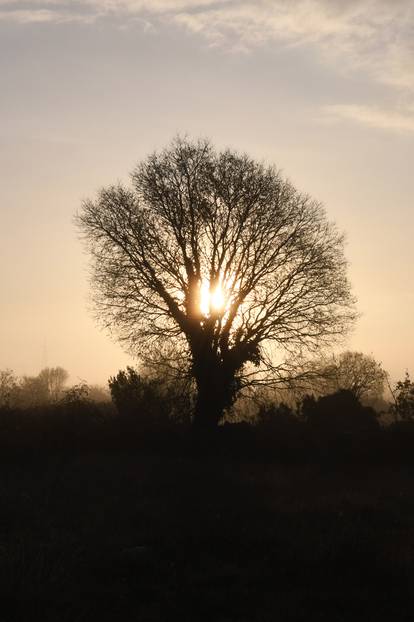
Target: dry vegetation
x=127, y=535
x=110, y=516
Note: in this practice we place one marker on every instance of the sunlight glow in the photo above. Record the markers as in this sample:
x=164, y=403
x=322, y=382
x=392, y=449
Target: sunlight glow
x=217, y=299
x=212, y=301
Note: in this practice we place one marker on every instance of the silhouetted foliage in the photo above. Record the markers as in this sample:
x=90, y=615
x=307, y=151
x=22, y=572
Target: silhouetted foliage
x=8, y=388
x=280, y=432
x=138, y=397
x=356, y=372
x=32, y=391
x=54, y=379
x=332, y=429
x=275, y=415
x=76, y=396
x=99, y=394
x=404, y=399
x=339, y=413
x=196, y=221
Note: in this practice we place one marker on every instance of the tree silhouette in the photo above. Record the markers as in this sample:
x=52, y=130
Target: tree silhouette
x=8, y=387
x=224, y=259
x=54, y=379
x=404, y=398
x=356, y=372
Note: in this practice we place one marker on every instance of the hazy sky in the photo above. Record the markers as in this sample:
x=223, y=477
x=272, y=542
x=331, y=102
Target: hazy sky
x=324, y=89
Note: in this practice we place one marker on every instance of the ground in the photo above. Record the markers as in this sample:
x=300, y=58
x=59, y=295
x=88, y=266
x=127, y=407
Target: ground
x=142, y=536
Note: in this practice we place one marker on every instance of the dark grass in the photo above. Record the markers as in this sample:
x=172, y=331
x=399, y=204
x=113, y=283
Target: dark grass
x=113, y=524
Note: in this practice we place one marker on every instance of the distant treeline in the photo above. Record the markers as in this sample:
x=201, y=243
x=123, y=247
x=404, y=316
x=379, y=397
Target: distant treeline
x=148, y=414
x=147, y=393
x=48, y=387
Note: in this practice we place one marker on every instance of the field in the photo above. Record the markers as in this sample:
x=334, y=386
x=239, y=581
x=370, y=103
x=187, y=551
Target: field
x=149, y=535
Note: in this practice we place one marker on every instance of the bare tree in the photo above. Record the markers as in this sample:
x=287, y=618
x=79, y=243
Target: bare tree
x=45, y=388
x=224, y=259
x=8, y=388
x=353, y=371
x=54, y=379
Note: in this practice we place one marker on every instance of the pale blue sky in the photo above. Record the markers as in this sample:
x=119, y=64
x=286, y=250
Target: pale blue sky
x=323, y=89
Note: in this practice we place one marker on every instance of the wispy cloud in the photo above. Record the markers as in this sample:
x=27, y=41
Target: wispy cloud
x=381, y=118
x=377, y=35
x=89, y=10
x=373, y=36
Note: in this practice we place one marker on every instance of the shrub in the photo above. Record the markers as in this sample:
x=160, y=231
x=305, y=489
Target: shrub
x=404, y=399
x=135, y=396
x=8, y=388
x=340, y=413
x=276, y=416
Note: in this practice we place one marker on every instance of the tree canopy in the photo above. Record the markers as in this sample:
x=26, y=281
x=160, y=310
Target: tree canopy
x=218, y=258
x=356, y=372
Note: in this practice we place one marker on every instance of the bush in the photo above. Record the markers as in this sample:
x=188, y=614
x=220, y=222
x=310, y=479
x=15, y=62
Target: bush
x=280, y=432
x=339, y=413
x=404, y=399
x=138, y=397
x=8, y=388
x=278, y=420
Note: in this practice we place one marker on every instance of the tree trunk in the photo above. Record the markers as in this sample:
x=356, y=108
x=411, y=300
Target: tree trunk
x=215, y=393
x=209, y=407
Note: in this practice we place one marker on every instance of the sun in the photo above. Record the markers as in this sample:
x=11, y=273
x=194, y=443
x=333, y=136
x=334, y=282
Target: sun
x=212, y=301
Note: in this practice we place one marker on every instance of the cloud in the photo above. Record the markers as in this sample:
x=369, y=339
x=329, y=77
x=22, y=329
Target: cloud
x=375, y=35
x=372, y=36
x=385, y=119
x=10, y=9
